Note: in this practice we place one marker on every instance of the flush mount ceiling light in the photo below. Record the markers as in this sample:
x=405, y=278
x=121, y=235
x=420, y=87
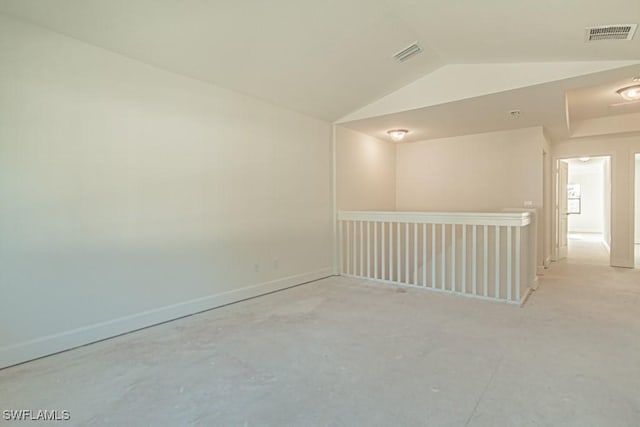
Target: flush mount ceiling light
x=397, y=134
x=630, y=93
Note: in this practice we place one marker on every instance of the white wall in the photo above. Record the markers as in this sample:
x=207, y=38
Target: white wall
x=590, y=219
x=621, y=148
x=483, y=172
x=130, y=195
x=365, y=172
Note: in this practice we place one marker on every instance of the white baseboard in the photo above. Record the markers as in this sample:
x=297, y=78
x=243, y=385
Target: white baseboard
x=606, y=246
x=526, y=296
x=530, y=289
x=547, y=262
x=624, y=263
x=44, y=346
x=534, y=284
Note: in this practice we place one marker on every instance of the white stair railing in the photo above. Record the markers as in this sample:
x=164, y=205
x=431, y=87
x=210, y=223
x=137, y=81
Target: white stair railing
x=482, y=255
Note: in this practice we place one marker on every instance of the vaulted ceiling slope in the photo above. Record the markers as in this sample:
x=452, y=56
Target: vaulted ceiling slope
x=582, y=105
x=328, y=58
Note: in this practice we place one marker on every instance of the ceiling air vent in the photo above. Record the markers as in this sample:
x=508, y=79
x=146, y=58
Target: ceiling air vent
x=610, y=32
x=408, y=52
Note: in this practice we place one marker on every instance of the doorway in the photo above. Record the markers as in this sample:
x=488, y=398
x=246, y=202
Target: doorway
x=584, y=210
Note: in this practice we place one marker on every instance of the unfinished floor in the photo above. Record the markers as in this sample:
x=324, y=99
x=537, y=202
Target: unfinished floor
x=347, y=352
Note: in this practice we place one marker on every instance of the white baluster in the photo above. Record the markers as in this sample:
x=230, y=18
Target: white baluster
x=509, y=263
x=518, y=274
x=407, y=280
x=355, y=249
x=485, y=258
x=391, y=251
x=464, y=259
x=341, y=247
x=433, y=255
x=444, y=257
x=399, y=257
x=474, y=261
x=383, y=258
x=424, y=255
x=375, y=250
x=348, y=247
x=497, y=273
x=369, y=249
x=361, y=250
x=453, y=257
x=415, y=254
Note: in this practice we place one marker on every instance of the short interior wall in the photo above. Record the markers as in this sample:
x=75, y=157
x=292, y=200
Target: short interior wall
x=131, y=195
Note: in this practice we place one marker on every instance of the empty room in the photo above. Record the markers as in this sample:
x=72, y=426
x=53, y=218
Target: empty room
x=286, y=213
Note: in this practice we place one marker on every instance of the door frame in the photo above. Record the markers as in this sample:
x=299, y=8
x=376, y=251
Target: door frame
x=554, y=196
x=560, y=213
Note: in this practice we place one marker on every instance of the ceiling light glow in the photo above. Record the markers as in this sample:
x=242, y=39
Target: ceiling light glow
x=630, y=93
x=397, y=134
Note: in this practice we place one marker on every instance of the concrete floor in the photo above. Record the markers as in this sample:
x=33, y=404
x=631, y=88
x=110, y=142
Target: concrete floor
x=344, y=352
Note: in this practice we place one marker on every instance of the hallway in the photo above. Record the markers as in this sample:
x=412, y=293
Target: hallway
x=587, y=248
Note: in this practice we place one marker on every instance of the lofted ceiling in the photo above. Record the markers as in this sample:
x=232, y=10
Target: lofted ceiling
x=328, y=58
x=546, y=104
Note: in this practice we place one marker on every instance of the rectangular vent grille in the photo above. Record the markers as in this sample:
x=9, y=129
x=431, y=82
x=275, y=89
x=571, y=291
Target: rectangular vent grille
x=611, y=32
x=408, y=52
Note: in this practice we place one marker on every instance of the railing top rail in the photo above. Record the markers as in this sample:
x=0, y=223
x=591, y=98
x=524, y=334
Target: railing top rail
x=518, y=219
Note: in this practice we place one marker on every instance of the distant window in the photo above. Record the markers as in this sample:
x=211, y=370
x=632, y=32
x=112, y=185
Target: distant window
x=574, y=203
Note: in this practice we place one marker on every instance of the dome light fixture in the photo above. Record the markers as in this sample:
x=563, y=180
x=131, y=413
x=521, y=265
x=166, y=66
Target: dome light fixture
x=397, y=135
x=630, y=93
